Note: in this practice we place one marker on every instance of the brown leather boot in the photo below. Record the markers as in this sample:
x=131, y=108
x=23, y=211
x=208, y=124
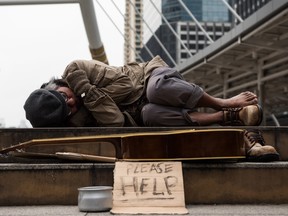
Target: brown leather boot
x=256, y=150
x=243, y=116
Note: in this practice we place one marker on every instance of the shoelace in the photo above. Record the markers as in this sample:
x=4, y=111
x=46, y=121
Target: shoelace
x=230, y=115
x=234, y=109
x=255, y=136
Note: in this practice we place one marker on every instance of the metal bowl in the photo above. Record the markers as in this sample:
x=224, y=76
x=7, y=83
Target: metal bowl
x=95, y=198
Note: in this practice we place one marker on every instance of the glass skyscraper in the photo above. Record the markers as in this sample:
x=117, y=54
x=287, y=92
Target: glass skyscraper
x=213, y=16
x=203, y=10
x=213, y=10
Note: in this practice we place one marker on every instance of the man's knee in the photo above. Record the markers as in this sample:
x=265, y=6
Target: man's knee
x=149, y=115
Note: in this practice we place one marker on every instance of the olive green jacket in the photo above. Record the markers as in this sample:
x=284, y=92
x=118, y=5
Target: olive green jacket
x=104, y=89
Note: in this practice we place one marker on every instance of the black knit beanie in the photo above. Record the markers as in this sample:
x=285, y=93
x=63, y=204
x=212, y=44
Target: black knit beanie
x=46, y=108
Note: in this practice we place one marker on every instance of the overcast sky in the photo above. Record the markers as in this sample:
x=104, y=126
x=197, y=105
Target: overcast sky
x=38, y=41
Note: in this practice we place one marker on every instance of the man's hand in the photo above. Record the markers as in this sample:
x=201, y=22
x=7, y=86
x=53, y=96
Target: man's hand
x=78, y=82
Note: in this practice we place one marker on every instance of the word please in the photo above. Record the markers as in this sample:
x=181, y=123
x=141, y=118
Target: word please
x=156, y=168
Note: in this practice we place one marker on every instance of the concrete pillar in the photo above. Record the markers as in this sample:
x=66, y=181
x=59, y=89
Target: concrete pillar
x=90, y=22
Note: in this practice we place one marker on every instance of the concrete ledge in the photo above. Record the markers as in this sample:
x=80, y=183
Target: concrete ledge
x=68, y=166
x=204, y=183
x=53, y=184
x=237, y=183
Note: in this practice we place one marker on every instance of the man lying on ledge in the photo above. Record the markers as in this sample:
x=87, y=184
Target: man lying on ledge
x=91, y=93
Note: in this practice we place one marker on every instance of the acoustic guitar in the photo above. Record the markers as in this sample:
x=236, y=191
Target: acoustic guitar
x=188, y=144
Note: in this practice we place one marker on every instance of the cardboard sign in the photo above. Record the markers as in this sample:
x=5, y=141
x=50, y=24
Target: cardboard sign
x=148, y=188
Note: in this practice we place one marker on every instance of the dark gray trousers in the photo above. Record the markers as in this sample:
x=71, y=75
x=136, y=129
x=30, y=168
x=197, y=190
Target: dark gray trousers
x=170, y=98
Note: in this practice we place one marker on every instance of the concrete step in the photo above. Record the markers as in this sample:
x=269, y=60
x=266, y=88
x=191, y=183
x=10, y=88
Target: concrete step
x=204, y=183
x=54, y=182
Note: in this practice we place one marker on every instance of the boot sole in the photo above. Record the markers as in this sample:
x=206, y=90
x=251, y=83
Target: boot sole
x=260, y=114
x=263, y=158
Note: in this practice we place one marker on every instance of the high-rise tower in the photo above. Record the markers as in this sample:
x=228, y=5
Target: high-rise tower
x=133, y=30
x=213, y=16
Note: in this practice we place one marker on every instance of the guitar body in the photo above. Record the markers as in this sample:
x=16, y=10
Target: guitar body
x=165, y=145
x=185, y=145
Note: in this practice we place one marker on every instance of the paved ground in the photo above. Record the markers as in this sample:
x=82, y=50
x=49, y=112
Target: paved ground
x=195, y=210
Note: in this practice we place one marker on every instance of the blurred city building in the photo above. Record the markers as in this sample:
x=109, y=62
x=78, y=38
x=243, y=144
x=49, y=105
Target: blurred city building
x=133, y=40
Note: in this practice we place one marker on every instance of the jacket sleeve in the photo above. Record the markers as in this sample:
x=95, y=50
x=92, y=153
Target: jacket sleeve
x=102, y=107
x=101, y=89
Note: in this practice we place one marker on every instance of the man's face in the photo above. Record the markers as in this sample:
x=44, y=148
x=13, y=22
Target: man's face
x=72, y=101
